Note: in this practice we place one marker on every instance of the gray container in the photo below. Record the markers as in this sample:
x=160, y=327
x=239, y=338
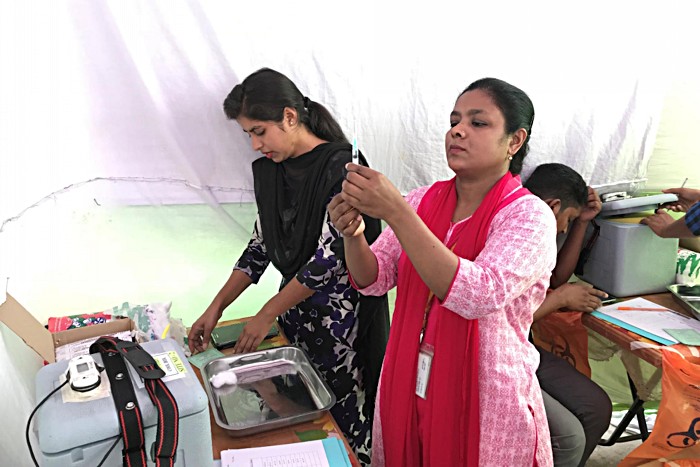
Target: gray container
x=273, y=388
x=79, y=434
x=628, y=259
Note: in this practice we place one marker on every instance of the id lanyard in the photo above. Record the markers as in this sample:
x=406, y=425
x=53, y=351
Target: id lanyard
x=425, y=354
x=426, y=351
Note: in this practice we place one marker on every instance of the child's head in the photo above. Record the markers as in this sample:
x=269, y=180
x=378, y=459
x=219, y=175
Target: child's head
x=562, y=188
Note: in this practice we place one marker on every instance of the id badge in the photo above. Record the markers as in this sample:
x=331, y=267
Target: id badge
x=425, y=360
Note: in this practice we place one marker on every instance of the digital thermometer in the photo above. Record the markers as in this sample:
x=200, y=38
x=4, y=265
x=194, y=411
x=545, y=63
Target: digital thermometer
x=83, y=373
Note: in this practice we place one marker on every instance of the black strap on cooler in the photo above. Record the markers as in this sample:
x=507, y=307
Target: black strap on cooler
x=131, y=423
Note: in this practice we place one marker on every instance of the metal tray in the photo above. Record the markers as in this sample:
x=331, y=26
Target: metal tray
x=688, y=296
x=275, y=388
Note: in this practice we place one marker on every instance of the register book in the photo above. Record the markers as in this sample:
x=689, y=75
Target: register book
x=329, y=452
x=647, y=319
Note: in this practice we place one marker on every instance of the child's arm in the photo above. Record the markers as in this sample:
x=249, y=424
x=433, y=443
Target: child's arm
x=573, y=297
x=570, y=251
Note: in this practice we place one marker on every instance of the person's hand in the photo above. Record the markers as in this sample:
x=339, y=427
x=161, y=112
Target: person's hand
x=346, y=219
x=686, y=198
x=659, y=222
x=200, y=332
x=592, y=208
x=254, y=332
x=370, y=192
x=579, y=297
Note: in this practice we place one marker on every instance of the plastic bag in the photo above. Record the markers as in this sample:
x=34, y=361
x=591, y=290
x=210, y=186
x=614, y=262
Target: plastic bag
x=564, y=335
x=153, y=322
x=675, y=440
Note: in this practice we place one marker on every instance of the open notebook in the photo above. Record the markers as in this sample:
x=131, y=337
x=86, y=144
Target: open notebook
x=329, y=452
x=647, y=322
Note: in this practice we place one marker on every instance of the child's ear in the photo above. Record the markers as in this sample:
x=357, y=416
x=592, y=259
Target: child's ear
x=555, y=204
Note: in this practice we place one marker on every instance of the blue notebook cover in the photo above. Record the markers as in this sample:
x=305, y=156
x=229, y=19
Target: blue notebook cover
x=336, y=453
x=632, y=328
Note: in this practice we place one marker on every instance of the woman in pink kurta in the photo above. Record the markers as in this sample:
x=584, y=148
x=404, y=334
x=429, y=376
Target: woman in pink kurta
x=512, y=269
x=471, y=257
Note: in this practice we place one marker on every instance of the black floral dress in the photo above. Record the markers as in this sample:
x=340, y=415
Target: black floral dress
x=325, y=325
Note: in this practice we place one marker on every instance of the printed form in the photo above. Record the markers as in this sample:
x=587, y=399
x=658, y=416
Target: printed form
x=640, y=316
x=325, y=453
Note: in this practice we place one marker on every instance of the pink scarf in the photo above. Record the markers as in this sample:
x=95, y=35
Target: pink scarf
x=451, y=434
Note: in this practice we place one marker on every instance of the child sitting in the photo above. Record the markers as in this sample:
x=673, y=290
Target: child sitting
x=578, y=410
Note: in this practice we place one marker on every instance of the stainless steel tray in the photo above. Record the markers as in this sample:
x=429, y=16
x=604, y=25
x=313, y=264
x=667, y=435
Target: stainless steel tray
x=688, y=296
x=274, y=388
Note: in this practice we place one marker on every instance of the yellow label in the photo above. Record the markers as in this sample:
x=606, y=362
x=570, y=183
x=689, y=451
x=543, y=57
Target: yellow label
x=170, y=363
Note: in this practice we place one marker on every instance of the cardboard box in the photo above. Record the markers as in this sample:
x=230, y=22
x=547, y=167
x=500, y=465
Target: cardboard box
x=36, y=336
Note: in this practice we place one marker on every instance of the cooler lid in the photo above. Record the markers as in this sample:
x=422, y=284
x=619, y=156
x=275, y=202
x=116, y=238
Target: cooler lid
x=615, y=204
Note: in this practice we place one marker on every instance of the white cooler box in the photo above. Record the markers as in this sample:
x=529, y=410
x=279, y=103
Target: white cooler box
x=80, y=433
x=629, y=259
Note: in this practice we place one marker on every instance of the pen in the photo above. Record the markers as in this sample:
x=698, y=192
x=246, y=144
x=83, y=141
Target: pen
x=683, y=184
x=355, y=154
x=634, y=308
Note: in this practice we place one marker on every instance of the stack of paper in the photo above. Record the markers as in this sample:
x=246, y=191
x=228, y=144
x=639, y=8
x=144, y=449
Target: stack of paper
x=648, y=319
x=329, y=452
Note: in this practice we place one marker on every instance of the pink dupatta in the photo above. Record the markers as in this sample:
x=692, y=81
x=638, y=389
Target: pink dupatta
x=452, y=415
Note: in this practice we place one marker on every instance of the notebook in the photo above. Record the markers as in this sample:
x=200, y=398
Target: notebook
x=650, y=323
x=329, y=452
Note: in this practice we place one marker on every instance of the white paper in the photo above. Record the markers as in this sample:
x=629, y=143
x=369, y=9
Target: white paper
x=653, y=322
x=305, y=454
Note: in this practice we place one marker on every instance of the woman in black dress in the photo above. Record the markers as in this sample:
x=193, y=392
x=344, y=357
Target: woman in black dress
x=343, y=332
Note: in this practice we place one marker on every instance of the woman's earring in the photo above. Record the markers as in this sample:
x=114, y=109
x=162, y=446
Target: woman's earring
x=510, y=158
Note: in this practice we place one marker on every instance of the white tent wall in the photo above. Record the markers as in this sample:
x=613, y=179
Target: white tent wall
x=676, y=154
x=121, y=179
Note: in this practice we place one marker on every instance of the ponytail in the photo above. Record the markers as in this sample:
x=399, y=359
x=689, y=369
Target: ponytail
x=321, y=123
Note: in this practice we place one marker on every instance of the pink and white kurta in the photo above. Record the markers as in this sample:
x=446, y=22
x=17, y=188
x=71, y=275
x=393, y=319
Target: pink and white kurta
x=502, y=288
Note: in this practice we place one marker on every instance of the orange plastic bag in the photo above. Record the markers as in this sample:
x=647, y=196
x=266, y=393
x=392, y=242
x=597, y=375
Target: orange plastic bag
x=675, y=439
x=564, y=335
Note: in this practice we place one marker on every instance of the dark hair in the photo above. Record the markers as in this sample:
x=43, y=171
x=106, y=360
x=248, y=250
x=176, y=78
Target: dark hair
x=263, y=96
x=517, y=110
x=549, y=181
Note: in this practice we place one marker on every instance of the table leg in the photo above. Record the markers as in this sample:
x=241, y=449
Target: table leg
x=636, y=409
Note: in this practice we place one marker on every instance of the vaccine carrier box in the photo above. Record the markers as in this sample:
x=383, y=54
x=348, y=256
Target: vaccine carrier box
x=78, y=429
x=629, y=259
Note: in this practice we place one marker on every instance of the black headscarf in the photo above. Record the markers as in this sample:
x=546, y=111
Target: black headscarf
x=292, y=198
